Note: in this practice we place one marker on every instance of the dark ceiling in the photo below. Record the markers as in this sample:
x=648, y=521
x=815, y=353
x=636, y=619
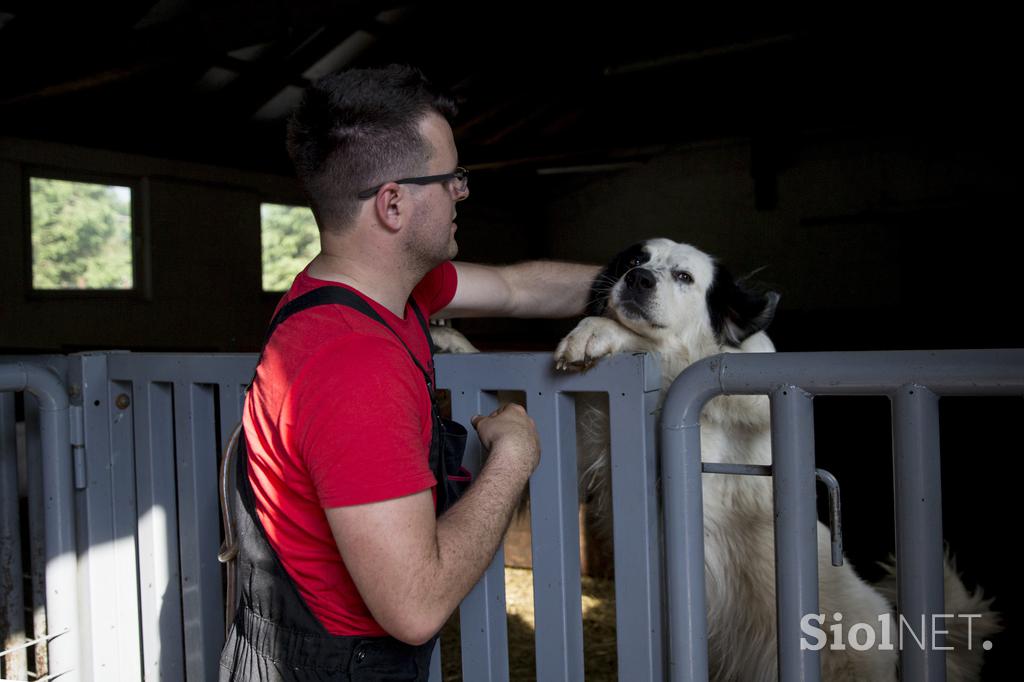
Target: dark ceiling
x=542, y=85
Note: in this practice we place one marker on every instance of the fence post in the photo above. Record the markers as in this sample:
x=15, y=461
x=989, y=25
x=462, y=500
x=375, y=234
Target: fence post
x=483, y=621
x=916, y=475
x=12, y=610
x=558, y=613
x=796, y=529
x=61, y=556
x=639, y=596
x=682, y=476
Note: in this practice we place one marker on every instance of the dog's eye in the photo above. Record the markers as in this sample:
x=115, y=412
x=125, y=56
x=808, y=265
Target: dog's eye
x=682, y=276
x=635, y=262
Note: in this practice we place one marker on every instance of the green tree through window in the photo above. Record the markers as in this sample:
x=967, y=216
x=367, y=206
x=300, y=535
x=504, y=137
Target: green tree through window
x=81, y=235
x=290, y=240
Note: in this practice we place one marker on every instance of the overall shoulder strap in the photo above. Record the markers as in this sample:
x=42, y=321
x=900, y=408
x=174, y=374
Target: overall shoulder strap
x=326, y=295
x=423, y=324
x=322, y=296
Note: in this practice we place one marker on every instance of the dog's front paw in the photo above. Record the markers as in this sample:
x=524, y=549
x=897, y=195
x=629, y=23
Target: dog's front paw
x=592, y=339
x=447, y=340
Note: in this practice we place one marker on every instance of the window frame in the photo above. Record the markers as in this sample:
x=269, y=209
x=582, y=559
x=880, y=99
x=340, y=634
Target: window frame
x=141, y=281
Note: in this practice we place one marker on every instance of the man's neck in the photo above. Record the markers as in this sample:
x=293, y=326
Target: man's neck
x=383, y=282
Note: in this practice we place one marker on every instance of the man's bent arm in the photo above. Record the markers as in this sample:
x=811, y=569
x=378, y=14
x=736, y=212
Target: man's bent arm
x=413, y=570
x=530, y=289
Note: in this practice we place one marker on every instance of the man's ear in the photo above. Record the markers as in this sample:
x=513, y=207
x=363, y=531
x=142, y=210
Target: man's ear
x=737, y=309
x=390, y=205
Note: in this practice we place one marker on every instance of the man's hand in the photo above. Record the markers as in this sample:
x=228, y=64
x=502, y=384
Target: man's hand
x=510, y=432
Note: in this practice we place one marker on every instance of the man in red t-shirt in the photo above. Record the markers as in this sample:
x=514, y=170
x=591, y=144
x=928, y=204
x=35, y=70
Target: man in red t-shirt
x=338, y=421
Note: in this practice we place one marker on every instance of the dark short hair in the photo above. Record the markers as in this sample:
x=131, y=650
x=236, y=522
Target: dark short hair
x=358, y=128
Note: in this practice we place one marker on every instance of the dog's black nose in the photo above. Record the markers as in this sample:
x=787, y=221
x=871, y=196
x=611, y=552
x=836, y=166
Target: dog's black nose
x=639, y=278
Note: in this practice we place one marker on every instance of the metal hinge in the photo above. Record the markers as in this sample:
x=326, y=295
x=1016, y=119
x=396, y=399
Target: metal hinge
x=76, y=423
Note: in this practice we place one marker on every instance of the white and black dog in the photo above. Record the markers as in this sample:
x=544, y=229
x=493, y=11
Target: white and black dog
x=675, y=300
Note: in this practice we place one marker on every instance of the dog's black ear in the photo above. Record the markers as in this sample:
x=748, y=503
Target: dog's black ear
x=738, y=310
x=612, y=273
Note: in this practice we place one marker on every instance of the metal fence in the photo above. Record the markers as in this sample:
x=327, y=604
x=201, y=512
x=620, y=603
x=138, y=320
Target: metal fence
x=633, y=384
x=132, y=513
x=129, y=446
x=50, y=522
x=133, y=586
x=913, y=381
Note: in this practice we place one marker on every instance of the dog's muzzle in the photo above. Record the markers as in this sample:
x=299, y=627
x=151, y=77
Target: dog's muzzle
x=634, y=295
x=639, y=283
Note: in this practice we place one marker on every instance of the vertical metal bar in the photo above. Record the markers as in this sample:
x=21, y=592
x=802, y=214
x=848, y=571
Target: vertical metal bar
x=917, y=480
x=684, y=552
x=482, y=614
x=107, y=522
x=37, y=532
x=94, y=535
x=555, y=534
x=126, y=571
x=195, y=448
x=58, y=483
x=796, y=529
x=637, y=528
x=231, y=399
x=61, y=559
x=12, y=608
x=159, y=575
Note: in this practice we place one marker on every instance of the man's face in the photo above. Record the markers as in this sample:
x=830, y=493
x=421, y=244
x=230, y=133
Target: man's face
x=432, y=233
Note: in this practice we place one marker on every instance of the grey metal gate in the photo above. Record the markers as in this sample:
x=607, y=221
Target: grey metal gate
x=144, y=599
x=633, y=384
x=129, y=452
x=132, y=519
x=913, y=381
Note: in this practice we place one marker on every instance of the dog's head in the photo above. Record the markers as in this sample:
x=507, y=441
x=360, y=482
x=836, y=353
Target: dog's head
x=674, y=293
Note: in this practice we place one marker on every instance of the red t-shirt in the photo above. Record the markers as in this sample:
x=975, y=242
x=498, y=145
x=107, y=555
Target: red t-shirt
x=338, y=415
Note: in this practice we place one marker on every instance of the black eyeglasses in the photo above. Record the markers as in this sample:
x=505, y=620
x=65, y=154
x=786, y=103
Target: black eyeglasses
x=460, y=175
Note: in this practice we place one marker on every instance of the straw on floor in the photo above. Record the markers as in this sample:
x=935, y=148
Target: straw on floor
x=599, y=652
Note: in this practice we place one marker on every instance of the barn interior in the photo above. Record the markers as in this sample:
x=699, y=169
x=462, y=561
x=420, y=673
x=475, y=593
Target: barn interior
x=863, y=164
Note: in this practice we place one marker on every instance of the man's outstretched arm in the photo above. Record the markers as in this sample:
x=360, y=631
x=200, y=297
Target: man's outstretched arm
x=530, y=289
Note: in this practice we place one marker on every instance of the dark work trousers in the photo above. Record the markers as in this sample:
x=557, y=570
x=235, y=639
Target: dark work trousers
x=275, y=637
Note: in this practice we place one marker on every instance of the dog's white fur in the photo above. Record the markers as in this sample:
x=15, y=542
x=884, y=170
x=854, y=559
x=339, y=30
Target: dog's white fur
x=657, y=296
x=448, y=340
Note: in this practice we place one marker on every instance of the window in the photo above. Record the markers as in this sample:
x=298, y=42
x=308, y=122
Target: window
x=81, y=235
x=290, y=240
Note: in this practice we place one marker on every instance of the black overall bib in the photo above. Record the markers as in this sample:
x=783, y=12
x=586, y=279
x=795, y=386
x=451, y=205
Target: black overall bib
x=274, y=636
